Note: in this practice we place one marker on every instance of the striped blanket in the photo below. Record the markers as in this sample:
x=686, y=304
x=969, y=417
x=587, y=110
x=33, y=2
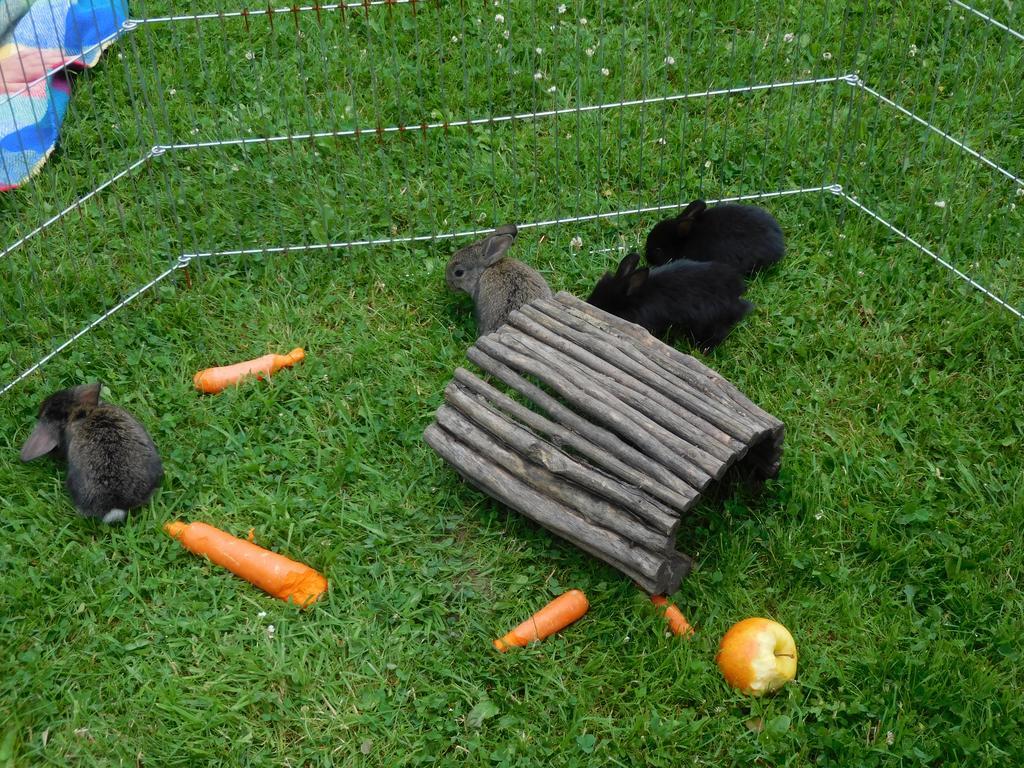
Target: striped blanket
x=38, y=40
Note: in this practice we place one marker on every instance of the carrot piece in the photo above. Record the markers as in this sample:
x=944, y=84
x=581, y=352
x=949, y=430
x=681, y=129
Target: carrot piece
x=273, y=573
x=556, y=615
x=676, y=621
x=214, y=380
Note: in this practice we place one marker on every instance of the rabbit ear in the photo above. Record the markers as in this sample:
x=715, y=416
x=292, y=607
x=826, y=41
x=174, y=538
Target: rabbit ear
x=693, y=210
x=507, y=229
x=636, y=281
x=627, y=265
x=684, y=221
x=44, y=438
x=88, y=394
x=496, y=246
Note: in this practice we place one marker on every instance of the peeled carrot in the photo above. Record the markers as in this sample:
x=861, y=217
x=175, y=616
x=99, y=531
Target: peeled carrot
x=556, y=615
x=271, y=572
x=676, y=621
x=214, y=380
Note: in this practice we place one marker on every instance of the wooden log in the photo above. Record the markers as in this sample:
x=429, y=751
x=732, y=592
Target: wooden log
x=592, y=399
x=685, y=366
x=591, y=450
x=561, y=520
x=629, y=357
x=680, y=566
x=714, y=382
x=568, y=418
x=615, y=395
x=707, y=451
x=762, y=461
x=557, y=319
x=606, y=396
x=593, y=508
x=647, y=512
x=689, y=371
x=632, y=432
x=651, y=353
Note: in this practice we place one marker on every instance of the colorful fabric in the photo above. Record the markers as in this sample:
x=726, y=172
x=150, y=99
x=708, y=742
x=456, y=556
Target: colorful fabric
x=38, y=40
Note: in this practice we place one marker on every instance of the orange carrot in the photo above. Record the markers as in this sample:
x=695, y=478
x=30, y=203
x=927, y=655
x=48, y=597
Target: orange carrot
x=271, y=572
x=676, y=621
x=556, y=615
x=214, y=380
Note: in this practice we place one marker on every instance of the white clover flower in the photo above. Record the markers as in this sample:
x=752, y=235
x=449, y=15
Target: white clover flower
x=827, y=56
x=499, y=18
x=271, y=630
x=670, y=61
x=1020, y=192
x=552, y=89
x=538, y=75
x=538, y=51
x=940, y=203
x=789, y=37
x=505, y=34
x=455, y=38
x=172, y=91
x=250, y=55
x=583, y=21
x=561, y=8
x=590, y=51
x=605, y=71
x=913, y=52
x=261, y=614
x=576, y=243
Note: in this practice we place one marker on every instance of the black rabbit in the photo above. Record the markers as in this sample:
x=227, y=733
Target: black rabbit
x=700, y=299
x=745, y=237
x=113, y=466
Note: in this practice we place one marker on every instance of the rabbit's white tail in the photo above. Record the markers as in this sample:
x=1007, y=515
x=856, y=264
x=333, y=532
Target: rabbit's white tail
x=115, y=516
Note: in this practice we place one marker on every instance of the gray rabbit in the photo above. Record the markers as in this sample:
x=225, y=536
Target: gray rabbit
x=113, y=466
x=499, y=286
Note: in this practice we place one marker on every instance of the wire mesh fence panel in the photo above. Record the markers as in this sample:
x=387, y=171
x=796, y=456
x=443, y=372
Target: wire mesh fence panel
x=936, y=150
x=228, y=132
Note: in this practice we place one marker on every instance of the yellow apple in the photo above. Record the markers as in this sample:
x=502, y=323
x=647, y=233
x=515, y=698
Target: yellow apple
x=757, y=656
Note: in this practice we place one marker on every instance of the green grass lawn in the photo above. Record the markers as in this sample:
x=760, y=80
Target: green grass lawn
x=889, y=545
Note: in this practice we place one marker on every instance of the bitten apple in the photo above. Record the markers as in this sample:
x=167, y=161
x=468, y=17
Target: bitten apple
x=757, y=656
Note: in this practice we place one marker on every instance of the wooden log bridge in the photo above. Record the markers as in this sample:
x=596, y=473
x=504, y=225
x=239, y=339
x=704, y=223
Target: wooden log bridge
x=621, y=440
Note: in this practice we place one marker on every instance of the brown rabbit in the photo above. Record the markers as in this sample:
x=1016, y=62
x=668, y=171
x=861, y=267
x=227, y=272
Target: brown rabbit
x=498, y=285
x=113, y=466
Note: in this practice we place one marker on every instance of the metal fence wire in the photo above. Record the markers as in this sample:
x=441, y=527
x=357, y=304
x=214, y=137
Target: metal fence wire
x=388, y=121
